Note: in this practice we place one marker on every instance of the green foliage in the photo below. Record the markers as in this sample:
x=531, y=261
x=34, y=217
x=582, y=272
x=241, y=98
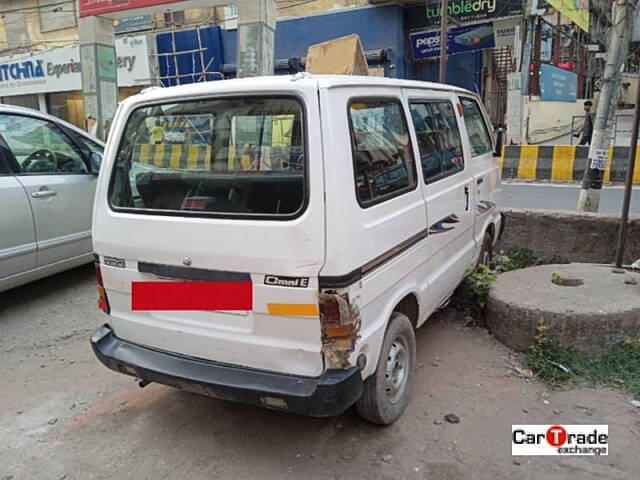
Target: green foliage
x=514, y=258
x=618, y=366
x=471, y=296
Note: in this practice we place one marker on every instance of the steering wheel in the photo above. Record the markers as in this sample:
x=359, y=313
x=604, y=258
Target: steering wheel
x=40, y=154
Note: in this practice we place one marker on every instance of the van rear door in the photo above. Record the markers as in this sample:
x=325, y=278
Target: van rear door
x=223, y=197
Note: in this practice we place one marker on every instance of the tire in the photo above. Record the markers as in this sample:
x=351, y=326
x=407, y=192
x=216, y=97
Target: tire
x=382, y=403
x=486, y=251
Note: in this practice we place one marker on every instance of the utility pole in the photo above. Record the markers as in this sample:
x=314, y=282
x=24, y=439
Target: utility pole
x=623, y=14
x=256, y=37
x=444, y=17
x=624, y=218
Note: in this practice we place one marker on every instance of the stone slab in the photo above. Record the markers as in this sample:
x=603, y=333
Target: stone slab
x=602, y=311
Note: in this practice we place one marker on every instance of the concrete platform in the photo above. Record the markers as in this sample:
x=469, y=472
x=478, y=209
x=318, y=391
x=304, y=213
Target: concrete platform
x=603, y=310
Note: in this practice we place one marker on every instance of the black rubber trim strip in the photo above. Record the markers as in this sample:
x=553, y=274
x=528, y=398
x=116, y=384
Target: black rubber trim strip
x=188, y=273
x=324, y=396
x=503, y=224
x=341, y=281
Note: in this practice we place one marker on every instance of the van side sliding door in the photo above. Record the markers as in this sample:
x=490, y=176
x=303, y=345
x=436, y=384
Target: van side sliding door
x=447, y=187
x=485, y=171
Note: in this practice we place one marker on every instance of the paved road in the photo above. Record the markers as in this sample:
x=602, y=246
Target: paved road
x=563, y=197
x=63, y=415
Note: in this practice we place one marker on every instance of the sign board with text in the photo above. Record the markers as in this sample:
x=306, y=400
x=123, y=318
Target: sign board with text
x=575, y=10
x=59, y=70
x=133, y=24
x=462, y=11
x=557, y=84
x=426, y=45
x=505, y=31
x=101, y=7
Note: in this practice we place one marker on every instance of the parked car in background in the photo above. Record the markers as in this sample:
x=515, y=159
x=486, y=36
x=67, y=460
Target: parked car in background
x=48, y=171
x=283, y=254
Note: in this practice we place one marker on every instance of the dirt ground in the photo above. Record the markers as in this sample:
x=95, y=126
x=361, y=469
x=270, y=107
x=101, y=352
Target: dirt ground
x=65, y=416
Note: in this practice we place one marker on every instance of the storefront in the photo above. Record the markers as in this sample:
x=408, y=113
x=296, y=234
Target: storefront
x=482, y=47
x=51, y=81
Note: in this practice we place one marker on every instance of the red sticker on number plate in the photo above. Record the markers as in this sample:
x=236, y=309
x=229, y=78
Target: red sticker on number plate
x=191, y=296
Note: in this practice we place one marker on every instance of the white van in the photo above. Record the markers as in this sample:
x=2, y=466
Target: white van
x=277, y=240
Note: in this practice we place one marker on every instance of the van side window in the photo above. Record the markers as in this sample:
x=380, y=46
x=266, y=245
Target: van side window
x=381, y=150
x=479, y=137
x=438, y=139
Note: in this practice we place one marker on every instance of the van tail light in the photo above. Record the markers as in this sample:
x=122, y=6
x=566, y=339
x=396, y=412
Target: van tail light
x=333, y=310
x=340, y=323
x=103, y=301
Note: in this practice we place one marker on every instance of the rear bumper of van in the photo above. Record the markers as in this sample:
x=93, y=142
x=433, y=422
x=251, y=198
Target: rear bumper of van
x=324, y=396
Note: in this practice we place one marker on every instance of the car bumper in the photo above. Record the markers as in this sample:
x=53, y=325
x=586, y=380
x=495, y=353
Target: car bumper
x=324, y=396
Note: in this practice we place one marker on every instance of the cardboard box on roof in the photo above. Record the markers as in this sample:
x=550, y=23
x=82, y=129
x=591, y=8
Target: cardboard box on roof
x=340, y=56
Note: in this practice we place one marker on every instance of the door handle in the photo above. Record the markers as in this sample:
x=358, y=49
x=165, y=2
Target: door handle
x=44, y=193
x=480, y=181
x=466, y=196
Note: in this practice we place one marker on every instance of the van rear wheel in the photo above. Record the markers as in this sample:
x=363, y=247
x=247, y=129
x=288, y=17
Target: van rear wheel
x=387, y=391
x=486, y=251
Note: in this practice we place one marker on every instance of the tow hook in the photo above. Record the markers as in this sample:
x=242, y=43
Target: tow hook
x=143, y=383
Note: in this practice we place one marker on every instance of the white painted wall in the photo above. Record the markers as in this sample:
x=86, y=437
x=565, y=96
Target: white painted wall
x=548, y=120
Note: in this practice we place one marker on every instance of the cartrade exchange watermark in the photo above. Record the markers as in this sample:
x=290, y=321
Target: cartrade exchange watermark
x=560, y=440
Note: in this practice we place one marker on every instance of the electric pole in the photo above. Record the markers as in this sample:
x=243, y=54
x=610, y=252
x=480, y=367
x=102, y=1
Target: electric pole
x=444, y=17
x=623, y=15
x=624, y=218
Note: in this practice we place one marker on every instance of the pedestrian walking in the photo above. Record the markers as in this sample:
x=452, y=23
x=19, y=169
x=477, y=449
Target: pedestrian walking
x=587, y=129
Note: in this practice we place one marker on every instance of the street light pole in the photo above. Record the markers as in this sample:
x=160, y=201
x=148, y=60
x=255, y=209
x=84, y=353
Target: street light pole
x=444, y=17
x=633, y=148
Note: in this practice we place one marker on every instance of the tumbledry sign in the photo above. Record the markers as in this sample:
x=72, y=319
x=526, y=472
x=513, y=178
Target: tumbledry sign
x=428, y=15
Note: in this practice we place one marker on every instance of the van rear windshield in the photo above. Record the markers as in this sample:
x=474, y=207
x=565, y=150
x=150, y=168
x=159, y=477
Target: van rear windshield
x=231, y=156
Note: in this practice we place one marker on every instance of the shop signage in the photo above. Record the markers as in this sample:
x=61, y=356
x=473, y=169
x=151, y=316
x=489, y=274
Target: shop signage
x=462, y=11
x=575, y=10
x=505, y=31
x=55, y=70
x=459, y=40
x=100, y=7
x=557, y=84
x=133, y=61
x=133, y=24
x=59, y=70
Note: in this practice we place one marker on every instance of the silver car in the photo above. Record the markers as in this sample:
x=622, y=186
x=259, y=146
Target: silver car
x=48, y=171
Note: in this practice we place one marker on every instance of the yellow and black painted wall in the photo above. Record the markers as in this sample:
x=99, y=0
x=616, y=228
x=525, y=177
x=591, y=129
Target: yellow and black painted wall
x=562, y=163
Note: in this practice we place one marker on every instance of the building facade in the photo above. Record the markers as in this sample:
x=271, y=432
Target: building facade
x=200, y=45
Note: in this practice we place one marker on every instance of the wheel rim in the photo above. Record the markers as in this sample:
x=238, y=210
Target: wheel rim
x=486, y=257
x=396, y=369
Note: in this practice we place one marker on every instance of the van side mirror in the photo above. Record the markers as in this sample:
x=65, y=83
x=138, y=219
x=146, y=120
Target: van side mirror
x=499, y=142
x=95, y=160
